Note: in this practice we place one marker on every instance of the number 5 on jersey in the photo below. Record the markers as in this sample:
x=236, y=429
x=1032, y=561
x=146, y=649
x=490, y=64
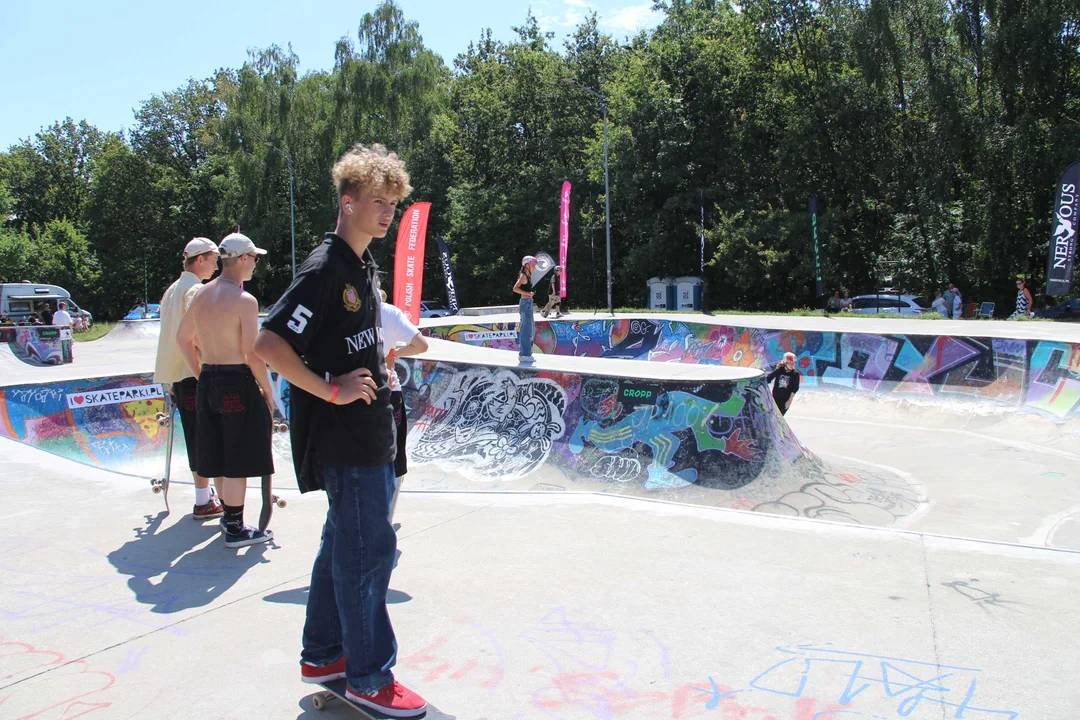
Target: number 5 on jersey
x=300, y=318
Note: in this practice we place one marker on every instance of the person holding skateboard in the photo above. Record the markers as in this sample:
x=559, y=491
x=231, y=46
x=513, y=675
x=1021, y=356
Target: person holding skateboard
x=554, y=299
x=234, y=399
x=325, y=337
x=526, y=326
x=200, y=263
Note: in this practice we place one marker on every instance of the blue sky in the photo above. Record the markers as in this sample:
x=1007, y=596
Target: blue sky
x=98, y=60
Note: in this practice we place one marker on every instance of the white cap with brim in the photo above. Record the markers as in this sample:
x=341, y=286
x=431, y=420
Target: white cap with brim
x=235, y=245
x=198, y=246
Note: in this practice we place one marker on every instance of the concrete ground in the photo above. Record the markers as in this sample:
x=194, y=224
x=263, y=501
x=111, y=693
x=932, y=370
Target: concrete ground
x=526, y=606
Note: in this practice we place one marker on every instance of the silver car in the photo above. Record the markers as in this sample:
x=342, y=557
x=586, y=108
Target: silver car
x=903, y=304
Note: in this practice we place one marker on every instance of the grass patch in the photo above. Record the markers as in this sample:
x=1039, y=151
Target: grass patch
x=97, y=331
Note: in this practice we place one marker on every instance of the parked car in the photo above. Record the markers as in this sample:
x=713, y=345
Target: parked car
x=1068, y=310
x=153, y=312
x=429, y=309
x=903, y=304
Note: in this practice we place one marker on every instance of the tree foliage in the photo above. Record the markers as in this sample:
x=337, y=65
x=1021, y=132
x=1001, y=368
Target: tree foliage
x=932, y=133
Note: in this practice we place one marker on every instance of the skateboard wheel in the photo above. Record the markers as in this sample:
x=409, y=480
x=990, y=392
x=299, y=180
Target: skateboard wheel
x=319, y=702
x=157, y=489
x=279, y=501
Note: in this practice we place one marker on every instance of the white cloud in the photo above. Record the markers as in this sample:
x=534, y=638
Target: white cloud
x=568, y=19
x=577, y=3
x=632, y=18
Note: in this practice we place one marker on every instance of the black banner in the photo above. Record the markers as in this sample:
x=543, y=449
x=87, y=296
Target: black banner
x=817, y=251
x=448, y=274
x=1059, y=265
x=636, y=394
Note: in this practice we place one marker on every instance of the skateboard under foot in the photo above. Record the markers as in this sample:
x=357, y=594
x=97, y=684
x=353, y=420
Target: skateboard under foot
x=335, y=690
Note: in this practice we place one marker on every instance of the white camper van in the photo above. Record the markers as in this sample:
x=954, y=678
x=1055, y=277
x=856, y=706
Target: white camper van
x=21, y=300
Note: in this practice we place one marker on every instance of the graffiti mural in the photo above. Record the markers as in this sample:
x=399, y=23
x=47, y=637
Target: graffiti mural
x=506, y=423
x=1041, y=375
x=41, y=345
x=123, y=437
x=490, y=423
x=721, y=443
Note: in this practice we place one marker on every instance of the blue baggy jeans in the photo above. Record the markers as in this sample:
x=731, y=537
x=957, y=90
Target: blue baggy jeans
x=346, y=608
x=526, y=327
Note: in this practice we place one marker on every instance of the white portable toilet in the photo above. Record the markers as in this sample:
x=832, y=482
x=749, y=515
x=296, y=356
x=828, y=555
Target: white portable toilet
x=689, y=293
x=661, y=294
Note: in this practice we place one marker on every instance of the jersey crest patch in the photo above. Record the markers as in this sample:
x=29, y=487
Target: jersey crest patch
x=351, y=298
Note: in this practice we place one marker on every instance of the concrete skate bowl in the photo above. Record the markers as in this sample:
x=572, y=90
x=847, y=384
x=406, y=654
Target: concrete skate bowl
x=1038, y=375
x=987, y=428
x=36, y=346
x=488, y=425
x=123, y=437
x=133, y=329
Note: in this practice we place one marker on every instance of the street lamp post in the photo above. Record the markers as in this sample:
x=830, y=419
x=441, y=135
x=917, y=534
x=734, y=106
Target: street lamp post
x=292, y=205
x=607, y=185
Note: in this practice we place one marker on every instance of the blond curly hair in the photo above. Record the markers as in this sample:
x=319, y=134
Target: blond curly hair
x=373, y=169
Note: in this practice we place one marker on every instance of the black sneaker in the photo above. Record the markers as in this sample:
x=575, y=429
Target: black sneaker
x=247, y=536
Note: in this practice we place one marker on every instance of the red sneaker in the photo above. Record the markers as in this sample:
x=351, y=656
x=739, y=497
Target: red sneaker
x=209, y=511
x=322, y=673
x=394, y=700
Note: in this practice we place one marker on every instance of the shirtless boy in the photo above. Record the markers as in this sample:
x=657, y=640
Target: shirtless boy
x=234, y=394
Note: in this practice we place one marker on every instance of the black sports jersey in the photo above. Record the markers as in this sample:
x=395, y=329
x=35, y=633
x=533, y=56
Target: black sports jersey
x=331, y=315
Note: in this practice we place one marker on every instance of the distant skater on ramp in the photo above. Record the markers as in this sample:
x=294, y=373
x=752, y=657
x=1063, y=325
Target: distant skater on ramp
x=526, y=321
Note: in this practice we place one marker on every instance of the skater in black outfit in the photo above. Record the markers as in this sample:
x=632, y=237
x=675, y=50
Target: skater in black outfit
x=785, y=379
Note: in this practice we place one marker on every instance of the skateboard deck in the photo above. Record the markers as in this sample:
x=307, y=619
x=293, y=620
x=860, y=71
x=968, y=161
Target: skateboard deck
x=269, y=499
x=165, y=420
x=335, y=690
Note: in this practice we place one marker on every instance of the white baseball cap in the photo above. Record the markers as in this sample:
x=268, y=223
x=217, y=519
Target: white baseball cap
x=234, y=245
x=198, y=246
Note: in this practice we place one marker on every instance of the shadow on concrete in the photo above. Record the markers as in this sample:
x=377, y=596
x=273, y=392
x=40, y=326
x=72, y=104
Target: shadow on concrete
x=170, y=571
x=299, y=596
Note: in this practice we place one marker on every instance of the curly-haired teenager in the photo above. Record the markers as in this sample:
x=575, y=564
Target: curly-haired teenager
x=324, y=336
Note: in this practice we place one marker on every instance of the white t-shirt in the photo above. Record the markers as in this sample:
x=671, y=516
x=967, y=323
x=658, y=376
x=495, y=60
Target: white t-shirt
x=939, y=307
x=61, y=318
x=957, y=305
x=397, y=329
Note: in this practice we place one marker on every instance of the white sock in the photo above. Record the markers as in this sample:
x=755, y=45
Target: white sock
x=202, y=495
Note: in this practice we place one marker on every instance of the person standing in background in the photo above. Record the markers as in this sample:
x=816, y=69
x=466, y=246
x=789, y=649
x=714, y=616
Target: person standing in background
x=200, y=262
x=939, y=305
x=1024, y=300
x=400, y=339
x=526, y=326
x=785, y=379
x=554, y=298
x=61, y=318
